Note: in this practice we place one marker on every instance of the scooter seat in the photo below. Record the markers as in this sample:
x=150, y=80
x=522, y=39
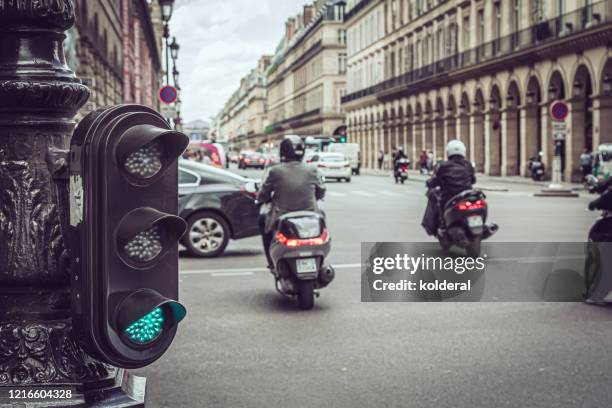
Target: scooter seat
x=299, y=214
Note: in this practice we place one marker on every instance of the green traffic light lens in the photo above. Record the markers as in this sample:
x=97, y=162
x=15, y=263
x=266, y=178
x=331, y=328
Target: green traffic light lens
x=145, y=162
x=146, y=329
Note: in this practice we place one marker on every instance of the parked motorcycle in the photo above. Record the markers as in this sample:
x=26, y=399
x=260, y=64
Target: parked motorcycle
x=401, y=170
x=463, y=222
x=537, y=169
x=301, y=244
x=598, y=265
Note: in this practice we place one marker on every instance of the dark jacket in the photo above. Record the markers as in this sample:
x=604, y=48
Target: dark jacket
x=290, y=186
x=453, y=176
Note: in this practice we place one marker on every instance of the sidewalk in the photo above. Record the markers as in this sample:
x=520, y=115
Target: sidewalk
x=484, y=182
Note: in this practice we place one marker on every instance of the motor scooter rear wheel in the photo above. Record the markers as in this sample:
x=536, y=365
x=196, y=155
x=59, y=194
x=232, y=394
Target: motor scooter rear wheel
x=305, y=296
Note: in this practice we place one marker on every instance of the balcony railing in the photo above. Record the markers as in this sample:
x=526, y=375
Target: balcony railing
x=540, y=33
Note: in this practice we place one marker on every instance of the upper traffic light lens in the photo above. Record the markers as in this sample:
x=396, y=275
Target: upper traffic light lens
x=147, y=328
x=145, y=162
x=145, y=246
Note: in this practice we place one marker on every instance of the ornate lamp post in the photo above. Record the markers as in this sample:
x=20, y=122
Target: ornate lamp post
x=39, y=97
x=166, y=14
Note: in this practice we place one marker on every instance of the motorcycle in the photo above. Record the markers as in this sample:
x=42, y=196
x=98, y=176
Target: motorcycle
x=537, y=169
x=464, y=221
x=597, y=276
x=298, y=251
x=401, y=170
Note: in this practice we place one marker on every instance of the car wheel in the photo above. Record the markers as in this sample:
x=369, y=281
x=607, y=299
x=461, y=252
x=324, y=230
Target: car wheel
x=348, y=180
x=207, y=235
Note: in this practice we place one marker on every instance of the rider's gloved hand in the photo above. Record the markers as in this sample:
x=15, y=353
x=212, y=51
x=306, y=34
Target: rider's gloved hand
x=593, y=205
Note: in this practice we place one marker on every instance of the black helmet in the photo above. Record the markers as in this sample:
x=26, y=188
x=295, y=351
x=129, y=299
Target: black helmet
x=292, y=148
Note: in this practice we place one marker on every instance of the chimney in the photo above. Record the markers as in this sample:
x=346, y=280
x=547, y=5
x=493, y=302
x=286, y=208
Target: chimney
x=308, y=13
x=290, y=28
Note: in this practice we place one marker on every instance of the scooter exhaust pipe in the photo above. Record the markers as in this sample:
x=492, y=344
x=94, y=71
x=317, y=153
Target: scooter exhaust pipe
x=326, y=275
x=490, y=230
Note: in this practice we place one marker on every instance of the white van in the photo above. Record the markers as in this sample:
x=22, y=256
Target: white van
x=350, y=150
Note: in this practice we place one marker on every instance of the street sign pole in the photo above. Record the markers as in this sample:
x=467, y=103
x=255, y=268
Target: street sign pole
x=559, y=111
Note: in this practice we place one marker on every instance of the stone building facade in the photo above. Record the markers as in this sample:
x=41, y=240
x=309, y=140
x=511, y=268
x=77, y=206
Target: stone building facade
x=114, y=48
x=244, y=116
x=421, y=73
x=98, y=47
x=308, y=74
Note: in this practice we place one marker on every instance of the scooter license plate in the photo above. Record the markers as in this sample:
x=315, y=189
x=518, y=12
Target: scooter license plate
x=475, y=221
x=306, y=265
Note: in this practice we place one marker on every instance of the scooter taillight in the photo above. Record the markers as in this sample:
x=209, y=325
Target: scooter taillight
x=404, y=168
x=297, y=242
x=469, y=205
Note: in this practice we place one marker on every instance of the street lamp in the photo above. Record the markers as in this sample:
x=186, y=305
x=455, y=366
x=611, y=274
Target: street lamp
x=174, y=49
x=577, y=88
x=166, y=10
x=607, y=83
x=552, y=93
x=530, y=97
x=175, y=77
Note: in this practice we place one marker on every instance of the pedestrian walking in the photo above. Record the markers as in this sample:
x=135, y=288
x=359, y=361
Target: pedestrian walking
x=381, y=159
x=423, y=162
x=430, y=162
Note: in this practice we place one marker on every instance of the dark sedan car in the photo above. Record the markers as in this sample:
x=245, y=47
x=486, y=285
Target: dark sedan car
x=217, y=205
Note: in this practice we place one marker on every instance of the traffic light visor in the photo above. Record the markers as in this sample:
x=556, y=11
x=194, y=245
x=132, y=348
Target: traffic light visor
x=145, y=234
x=144, y=316
x=144, y=152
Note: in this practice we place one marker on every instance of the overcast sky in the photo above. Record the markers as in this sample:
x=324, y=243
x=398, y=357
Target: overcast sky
x=221, y=41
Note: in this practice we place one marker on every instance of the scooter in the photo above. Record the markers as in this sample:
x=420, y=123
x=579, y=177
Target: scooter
x=401, y=170
x=298, y=251
x=536, y=166
x=464, y=221
x=598, y=264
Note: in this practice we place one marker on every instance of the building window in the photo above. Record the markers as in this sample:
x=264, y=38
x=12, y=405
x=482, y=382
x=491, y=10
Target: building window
x=498, y=21
x=341, y=63
x=466, y=33
x=481, y=27
x=342, y=36
x=517, y=15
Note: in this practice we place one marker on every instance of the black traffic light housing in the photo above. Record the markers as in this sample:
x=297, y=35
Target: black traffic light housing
x=123, y=234
x=340, y=135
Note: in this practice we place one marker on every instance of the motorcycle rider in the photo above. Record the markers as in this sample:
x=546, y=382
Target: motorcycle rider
x=399, y=155
x=453, y=177
x=288, y=186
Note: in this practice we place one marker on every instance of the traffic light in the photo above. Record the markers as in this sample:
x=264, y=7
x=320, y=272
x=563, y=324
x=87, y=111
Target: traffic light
x=340, y=134
x=123, y=234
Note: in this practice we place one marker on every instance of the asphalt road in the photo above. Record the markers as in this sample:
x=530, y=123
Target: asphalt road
x=243, y=345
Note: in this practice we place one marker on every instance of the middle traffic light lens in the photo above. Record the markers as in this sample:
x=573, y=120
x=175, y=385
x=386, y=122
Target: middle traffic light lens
x=145, y=162
x=145, y=246
x=147, y=328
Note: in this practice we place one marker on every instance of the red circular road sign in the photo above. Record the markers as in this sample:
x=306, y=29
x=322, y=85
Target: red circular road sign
x=559, y=110
x=168, y=94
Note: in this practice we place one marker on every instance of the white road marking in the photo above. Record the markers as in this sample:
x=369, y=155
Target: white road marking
x=217, y=275
x=335, y=194
x=389, y=193
x=246, y=271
